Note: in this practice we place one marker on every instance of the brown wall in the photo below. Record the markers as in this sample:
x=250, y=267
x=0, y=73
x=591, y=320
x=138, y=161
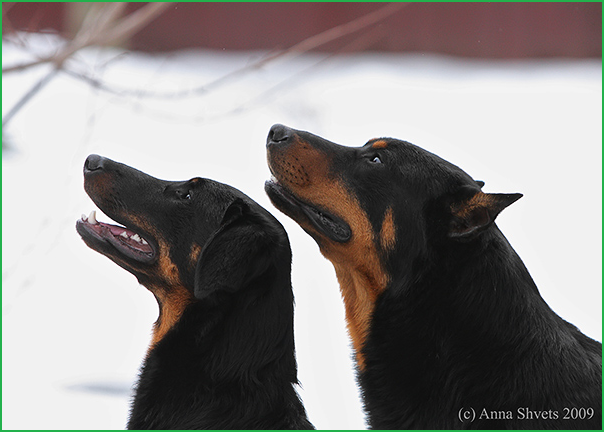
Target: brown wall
x=494, y=30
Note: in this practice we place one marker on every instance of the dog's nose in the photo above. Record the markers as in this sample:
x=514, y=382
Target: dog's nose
x=279, y=133
x=93, y=163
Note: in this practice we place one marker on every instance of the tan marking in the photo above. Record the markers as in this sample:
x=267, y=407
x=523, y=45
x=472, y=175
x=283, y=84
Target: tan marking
x=379, y=144
x=172, y=304
x=358, y=267
x=169, y=291
x=388, y=231
x=194, y=254
x=166, y=270
x=463, y=210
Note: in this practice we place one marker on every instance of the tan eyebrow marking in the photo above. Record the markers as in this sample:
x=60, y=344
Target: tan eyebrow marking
x=379, y=144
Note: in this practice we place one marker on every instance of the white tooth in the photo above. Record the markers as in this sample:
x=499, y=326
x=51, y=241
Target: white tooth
x=84, y=218
x=92, y=217
x=123, y=234
x=136, y=238
x=143, y=241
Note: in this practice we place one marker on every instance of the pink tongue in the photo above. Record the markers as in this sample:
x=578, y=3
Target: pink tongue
x=117, y=230
x=115, y=234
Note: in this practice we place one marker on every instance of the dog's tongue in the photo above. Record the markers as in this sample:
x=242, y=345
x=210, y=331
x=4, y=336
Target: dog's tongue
x=129, y=237
x=118, y=230
x=124, y=235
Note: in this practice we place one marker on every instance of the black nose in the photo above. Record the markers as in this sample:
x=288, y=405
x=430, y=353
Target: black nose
x=279, y=133
x=94, y=163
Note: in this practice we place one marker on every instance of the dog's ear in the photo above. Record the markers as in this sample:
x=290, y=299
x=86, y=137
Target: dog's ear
x=474, y=215
x=239, y=251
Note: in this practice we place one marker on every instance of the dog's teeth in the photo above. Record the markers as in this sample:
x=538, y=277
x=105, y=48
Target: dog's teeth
x=143, y=241
x=92, y=217
x=123, y=234
x=84, y=217
x=136, y=237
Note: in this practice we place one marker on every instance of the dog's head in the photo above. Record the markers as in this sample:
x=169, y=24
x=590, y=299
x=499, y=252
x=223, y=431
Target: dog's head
x=374, y=209
x=185, y=241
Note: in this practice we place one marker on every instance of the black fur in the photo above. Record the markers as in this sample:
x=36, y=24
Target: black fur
x=467, y=329
x=460, y=337
x=228, y=361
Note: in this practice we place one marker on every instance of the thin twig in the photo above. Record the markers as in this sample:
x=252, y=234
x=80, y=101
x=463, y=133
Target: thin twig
x=35, y=89
x=100, y=27
x=302, y=47
x=358, y=44
x=133, y=23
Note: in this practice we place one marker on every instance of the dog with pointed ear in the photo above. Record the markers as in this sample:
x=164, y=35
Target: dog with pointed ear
x=219, y=266
x=444, y=317
x=475, y=214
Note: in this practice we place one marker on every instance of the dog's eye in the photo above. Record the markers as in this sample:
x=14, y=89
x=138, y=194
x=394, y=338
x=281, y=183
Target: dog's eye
x=376, y=159
x=183, y=194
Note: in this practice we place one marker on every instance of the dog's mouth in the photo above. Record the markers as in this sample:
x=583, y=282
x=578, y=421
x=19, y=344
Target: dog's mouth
x=326, y=223
x=106, y=238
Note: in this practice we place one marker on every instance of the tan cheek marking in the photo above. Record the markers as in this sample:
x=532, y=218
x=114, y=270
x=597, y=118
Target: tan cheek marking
x=167, y=269
x=379, y=144
x=171, y=295
x=358, y=267
x=388, y=231
x=99, y=186
x=290, y=169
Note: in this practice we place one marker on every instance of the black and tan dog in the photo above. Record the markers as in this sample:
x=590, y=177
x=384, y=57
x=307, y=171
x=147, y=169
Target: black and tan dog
x=448, y=327
x=222, y=354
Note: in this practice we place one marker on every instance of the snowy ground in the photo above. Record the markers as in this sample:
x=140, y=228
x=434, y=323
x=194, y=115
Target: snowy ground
x=75, y=326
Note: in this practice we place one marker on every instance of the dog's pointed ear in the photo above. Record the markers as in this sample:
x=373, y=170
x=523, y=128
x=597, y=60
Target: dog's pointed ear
x=474, y=215
x=238, y=252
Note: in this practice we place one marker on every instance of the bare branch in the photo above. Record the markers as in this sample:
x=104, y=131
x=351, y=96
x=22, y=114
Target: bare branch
x=100, y=27
x=97, y=20
x=306, y=45
x=26, y=65
x=358, y=44
x=346, y=29
x=133, y=23
x=31, y=93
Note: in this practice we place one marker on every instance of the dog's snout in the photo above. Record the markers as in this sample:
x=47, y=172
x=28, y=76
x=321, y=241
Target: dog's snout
x=93, y=163
x=278, y=134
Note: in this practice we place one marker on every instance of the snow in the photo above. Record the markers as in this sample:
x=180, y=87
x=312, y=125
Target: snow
x=76, y=326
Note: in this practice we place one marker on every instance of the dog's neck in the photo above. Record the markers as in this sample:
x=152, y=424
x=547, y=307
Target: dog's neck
x=359, y=290
x=172, y=304
x=425, y=328
x=211, y=350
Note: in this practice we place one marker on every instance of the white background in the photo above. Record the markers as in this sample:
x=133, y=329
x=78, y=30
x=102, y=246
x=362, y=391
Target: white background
x=75, y=327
